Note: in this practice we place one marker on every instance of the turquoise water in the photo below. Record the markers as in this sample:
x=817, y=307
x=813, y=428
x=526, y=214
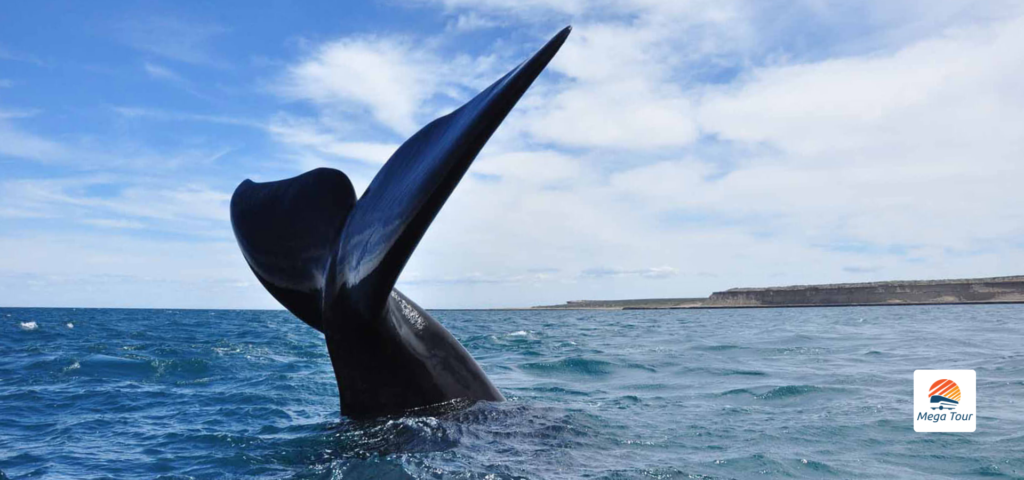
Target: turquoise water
x=797, y=393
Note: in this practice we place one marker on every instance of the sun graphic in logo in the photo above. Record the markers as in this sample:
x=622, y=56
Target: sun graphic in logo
x=944, y=394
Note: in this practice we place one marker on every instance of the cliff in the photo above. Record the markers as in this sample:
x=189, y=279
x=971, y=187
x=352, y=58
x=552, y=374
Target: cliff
x=899, y=292
x=973, y=290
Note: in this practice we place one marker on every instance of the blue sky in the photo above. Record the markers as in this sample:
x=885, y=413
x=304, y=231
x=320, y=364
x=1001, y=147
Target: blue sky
x=671, y=149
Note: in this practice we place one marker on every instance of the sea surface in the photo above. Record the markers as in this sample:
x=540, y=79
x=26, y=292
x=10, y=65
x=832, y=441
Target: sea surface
x=791, y=393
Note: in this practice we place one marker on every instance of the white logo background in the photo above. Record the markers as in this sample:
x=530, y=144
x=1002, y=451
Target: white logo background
x=966, y=380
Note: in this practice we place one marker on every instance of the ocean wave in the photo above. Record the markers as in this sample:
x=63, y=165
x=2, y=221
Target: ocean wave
x=776, y=393
x=746, y=373
x=718, y=348
x=184, y=367
x=107, y=366
x=74, y=366
x=788, y=391
x=582, y=366
x=723, y=372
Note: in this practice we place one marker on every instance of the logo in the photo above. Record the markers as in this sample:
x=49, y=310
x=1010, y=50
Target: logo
x=945, y=401
x=944, y=394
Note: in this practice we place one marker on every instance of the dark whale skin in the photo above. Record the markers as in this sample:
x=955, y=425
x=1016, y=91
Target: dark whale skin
x=333, y=260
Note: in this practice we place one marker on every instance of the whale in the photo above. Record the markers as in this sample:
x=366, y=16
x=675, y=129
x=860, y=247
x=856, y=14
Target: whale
x=332, y=259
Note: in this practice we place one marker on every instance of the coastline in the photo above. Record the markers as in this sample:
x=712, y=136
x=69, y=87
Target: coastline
x=962, y=291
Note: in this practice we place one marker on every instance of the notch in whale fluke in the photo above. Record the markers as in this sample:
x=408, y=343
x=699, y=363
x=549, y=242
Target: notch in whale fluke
x=323, y=254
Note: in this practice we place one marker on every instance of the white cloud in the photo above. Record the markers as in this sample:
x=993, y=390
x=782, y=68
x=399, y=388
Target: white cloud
x=518, y=6
x=185, y=209
x=162, y=73
x=699, y=10
x=918, y=147
x=537, y=167
x=388, y=78
x=622, y=93
x=652, y=272
x=16, y=142
x=16, y=56
x=938, y=85
x=471, y=21
x=141, y=112
x=100, y=270
x=310, y=134
x=617, y=115
x=172, y=38
x=113, y=223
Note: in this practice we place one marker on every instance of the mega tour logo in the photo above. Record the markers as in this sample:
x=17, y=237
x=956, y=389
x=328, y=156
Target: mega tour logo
x=945, y=400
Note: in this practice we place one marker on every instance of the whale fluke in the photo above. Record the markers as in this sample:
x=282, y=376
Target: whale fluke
x=288, y=231
x=333, y=261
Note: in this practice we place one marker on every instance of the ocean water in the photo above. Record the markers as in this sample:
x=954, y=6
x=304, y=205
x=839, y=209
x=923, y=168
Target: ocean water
x=793, y=393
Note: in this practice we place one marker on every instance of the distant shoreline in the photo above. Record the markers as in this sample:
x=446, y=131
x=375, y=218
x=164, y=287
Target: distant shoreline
x=829, y=305
x=971, y=291
x=962, y=291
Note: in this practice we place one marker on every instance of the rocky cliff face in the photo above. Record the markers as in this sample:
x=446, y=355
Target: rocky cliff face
x=997, y=289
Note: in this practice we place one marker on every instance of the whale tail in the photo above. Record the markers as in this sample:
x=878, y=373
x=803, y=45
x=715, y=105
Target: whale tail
x=323, y=254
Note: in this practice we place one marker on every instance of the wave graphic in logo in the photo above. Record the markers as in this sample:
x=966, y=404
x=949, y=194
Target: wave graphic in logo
x=944, y=394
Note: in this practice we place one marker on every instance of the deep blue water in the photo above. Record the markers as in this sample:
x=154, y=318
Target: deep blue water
x=803, y=393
